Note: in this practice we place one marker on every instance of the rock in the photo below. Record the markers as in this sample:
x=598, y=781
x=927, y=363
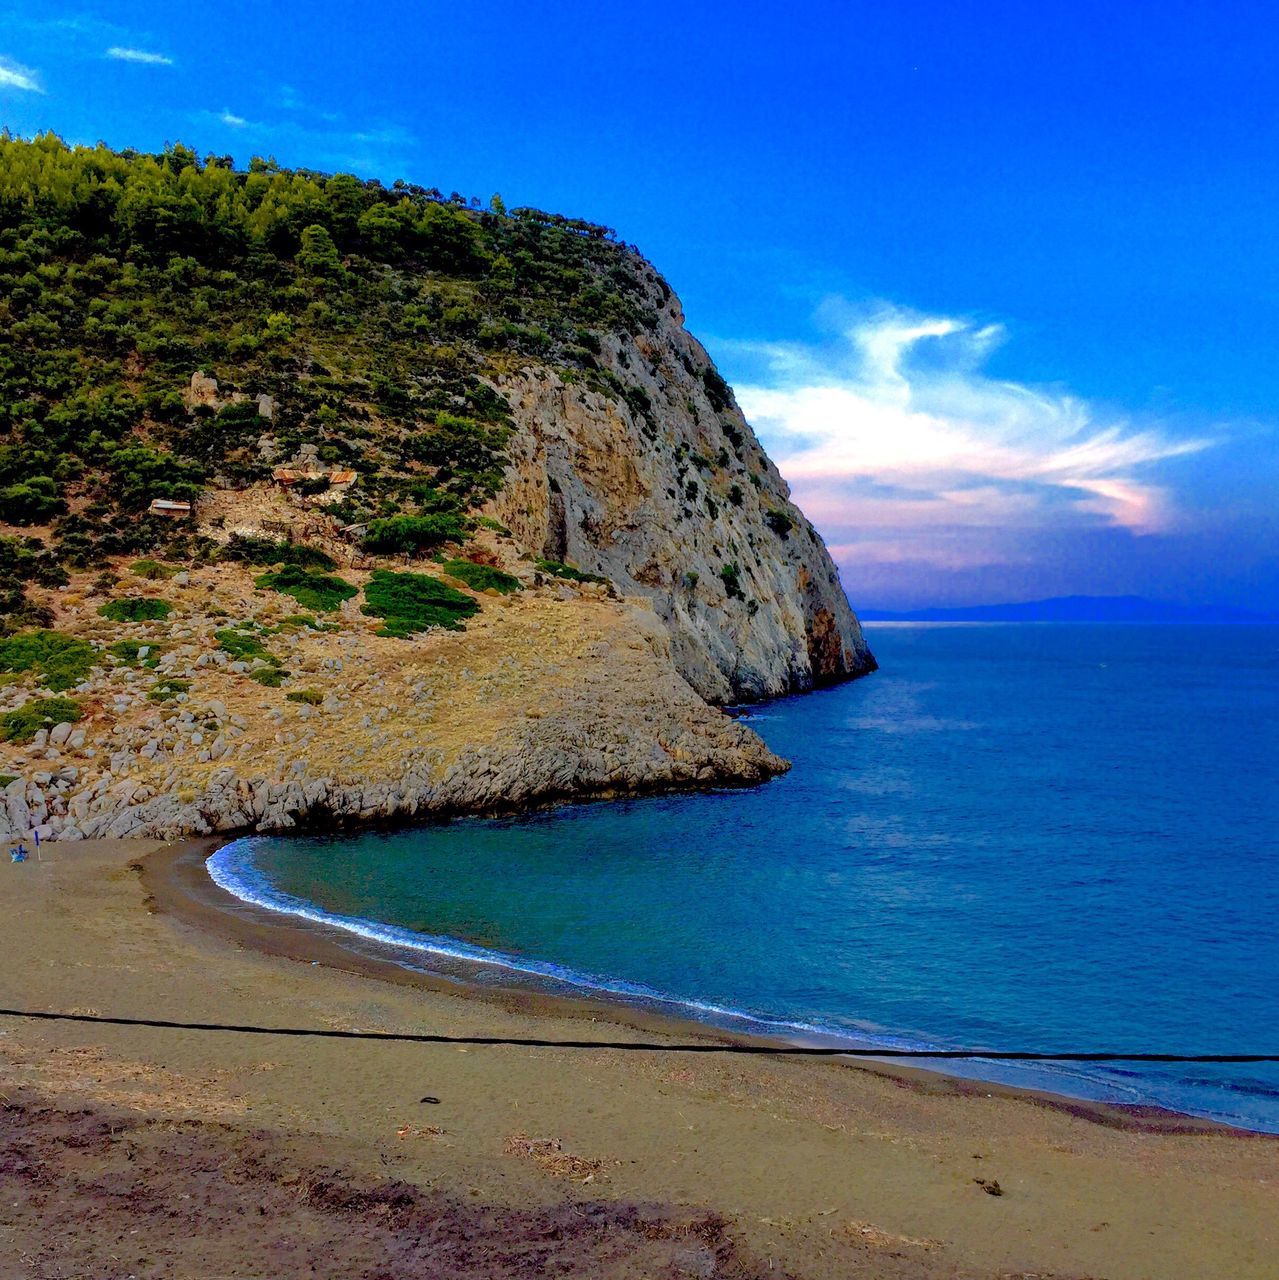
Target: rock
x=60, y=733
x=203, y=390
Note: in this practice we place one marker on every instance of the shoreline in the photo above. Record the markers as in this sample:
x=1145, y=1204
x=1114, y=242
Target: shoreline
x=178, y=882
x=799, y=1168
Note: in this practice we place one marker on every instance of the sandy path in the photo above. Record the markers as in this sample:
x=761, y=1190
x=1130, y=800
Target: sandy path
x=823, y=1169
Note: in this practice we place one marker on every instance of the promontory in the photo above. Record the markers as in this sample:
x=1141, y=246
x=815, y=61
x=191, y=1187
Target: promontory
x=327, y=501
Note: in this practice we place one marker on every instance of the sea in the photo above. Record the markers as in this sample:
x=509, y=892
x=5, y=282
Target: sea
x=1012, y=837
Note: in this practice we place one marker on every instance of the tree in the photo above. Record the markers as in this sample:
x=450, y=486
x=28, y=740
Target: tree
x=318, y=255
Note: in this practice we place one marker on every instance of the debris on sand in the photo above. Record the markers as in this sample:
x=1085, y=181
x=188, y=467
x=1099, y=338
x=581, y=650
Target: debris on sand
x=549, y=1156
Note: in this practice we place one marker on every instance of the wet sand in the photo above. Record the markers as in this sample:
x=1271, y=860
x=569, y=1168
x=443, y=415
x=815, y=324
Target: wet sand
x=685, y=1164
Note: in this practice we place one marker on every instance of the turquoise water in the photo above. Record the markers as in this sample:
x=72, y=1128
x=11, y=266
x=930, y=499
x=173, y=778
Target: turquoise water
x=1011, y=837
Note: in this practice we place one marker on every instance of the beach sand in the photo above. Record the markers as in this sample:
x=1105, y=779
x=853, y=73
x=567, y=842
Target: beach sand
x=151, y=1152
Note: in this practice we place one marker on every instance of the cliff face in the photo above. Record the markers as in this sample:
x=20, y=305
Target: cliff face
x=668, y=494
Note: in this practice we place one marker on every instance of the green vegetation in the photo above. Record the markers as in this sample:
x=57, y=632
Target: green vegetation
x=130, y=653
x=312, y=697
x=243, y=646
x=412, y=602
x=413, y=535
x=41, y=713
x=153, y=570
x=779, y=522
x=481, y=577
x=31, y=501
x=321, y=591
x=295, y=620
x=59, y=660
x=731, y=576
x=264, y=551
x=168, y=689
x=135, y=609
x=373, y=315
x=558, y=569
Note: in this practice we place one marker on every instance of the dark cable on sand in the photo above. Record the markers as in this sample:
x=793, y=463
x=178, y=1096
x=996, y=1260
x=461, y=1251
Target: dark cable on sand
x=641, y=1046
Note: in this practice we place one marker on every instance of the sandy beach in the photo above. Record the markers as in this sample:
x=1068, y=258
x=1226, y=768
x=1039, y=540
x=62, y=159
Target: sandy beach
x=150, y=1152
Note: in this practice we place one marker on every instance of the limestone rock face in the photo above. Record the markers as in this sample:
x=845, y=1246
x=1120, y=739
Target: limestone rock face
x=665, y=491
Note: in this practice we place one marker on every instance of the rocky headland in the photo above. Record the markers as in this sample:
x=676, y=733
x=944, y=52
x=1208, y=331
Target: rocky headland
x=596, y=552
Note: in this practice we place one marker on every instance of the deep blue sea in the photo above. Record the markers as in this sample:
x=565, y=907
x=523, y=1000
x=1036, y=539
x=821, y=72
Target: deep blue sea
x=1039, y=837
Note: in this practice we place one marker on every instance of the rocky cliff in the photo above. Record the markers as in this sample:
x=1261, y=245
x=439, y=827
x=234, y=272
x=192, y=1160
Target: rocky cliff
x=669, y=495
x=440, y=509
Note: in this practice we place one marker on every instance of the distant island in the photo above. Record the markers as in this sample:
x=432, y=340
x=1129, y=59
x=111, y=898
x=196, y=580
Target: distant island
x=1074, y=609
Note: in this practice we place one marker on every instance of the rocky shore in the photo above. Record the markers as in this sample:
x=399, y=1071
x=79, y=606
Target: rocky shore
x=552, y=693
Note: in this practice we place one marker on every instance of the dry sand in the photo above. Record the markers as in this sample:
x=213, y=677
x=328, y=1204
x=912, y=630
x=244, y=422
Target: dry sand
x=133, y=1151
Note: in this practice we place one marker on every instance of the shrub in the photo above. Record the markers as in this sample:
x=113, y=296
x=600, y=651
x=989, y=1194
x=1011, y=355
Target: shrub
x=717, y=391
x=130, y=653
x=558, y=569
x=243, y=646
x=321, y=591
x=295, y=620
x=312, y=697
x=779, y=522
x=481, y=577
x=153, y=570
x=31, y=501
x=731, y=577
x=61, y=660
x=41, y=713
x=135, y=609
x=735, y=494
x=256, y=550
x=413, y=534
x=411, y=602
x=168, y=689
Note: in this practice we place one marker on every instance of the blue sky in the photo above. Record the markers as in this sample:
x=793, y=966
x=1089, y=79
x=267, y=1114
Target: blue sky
x=997, y=283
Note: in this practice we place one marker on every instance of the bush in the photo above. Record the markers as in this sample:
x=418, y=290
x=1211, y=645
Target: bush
x=42, y=713
x=412, y=602
x=130, y=653
x=731, y=577
x=481, y=577
x=413, y=534
x=168, y=689
x=311, y=697
x=61, y=660
x=153, y=570
x=779, y=522
x=243, y=646
x=321, y=591
x=135, y=609
x=255, y=550
x=558, y=569
x=31, y=501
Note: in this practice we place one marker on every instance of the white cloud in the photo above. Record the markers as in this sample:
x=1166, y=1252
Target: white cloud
x=122, y=53
x=13, y=75
x=897, y=438
x=236, y=122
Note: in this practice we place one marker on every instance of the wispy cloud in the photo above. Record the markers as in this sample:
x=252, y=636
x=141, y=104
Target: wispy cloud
x=228, y=117
x=901, y=448
x=123, y=53
x=13, y=75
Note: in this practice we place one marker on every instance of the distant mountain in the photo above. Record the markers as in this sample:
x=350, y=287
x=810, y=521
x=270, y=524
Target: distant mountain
x=1073, y=609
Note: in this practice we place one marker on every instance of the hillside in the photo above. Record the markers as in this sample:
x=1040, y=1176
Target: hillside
x=267, y=436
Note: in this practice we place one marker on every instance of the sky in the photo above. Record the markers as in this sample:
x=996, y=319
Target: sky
x=997, y=284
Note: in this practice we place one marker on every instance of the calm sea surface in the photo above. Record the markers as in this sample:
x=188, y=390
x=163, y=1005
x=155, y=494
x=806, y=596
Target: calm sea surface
x=1011, y=837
